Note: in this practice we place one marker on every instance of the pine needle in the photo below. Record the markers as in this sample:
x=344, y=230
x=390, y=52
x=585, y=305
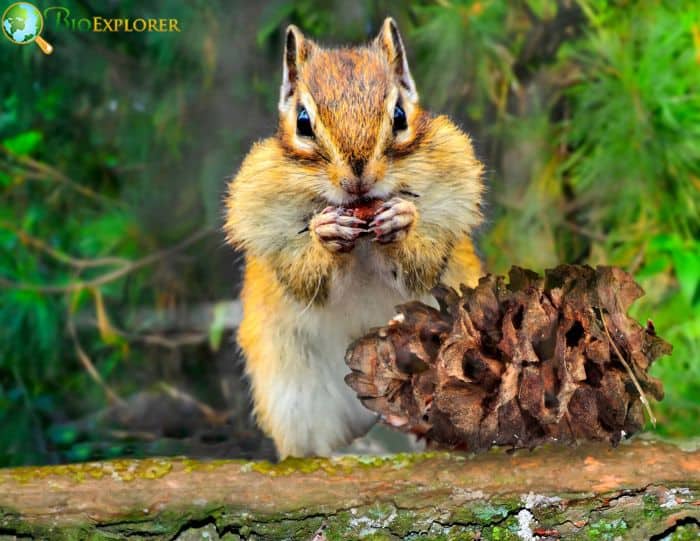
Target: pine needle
x=642, y=396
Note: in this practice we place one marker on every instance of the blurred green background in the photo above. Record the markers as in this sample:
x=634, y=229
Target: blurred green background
x=117, y=292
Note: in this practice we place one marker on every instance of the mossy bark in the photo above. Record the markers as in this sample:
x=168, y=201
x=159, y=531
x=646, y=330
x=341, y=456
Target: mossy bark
x=639, y=490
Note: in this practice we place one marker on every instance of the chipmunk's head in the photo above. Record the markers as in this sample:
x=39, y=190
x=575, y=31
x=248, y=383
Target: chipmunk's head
x=348, y=112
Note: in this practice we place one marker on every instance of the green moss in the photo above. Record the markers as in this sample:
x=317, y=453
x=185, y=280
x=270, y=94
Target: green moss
x=292, y=465
x=385, y=521
x=688, y=532
x=284, y=529
x=342, y=465
x=407, y=521
x=500, y=533
x=652, y=509
x=607, y=529
x=380, y=536
x=122, y=470
x=484, y=511
x=190, y=465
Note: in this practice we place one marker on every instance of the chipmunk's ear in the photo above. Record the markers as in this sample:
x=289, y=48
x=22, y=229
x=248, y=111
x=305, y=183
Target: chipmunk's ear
x=389, y=40
x=296, y=51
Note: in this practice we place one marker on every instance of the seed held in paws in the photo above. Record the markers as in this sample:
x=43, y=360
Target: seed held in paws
x=365, y=210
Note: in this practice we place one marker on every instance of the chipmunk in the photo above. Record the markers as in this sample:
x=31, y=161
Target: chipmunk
x=351, y=133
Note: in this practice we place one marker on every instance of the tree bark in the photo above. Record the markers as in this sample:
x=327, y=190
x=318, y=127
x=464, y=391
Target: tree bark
x=639, y=490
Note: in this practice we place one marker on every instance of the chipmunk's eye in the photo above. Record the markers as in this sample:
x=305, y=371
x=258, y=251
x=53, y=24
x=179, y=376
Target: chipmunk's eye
x=304, y=123
x=399, y=118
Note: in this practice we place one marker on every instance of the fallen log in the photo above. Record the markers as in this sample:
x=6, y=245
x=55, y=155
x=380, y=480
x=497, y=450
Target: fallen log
x=638, y=490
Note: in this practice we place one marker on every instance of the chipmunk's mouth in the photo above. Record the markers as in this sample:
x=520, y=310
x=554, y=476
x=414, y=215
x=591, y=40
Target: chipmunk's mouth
x=362, y=201
x=352, y=201
x=365, y=209
x=336, y=196
x=374, y=194
x=381, y=195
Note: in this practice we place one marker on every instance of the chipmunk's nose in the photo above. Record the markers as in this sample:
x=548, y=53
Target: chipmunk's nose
x=361, y=180
x=357, y=166
x=355, y=186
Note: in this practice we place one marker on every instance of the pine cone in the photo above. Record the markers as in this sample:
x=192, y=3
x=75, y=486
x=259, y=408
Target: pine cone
x=521, y=364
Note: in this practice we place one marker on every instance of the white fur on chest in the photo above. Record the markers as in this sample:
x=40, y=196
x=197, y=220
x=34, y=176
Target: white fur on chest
x=362, y=295
x=312, y=390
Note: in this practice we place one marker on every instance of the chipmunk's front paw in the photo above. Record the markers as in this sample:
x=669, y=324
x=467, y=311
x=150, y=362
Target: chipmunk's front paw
x=393, y=220
x=336, y=230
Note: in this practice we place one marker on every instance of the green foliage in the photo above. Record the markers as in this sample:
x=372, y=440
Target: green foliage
x=23, y=143
x=587, y=115
x=478, y=72
x=639, y=68
x=616, y=179
x=96, y=160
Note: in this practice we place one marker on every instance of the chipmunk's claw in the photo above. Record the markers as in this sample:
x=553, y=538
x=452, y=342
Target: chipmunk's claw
x=336, y=230
x=393, y=221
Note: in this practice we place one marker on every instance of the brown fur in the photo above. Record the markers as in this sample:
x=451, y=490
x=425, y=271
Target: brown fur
x=349, y=87
x=287, y=179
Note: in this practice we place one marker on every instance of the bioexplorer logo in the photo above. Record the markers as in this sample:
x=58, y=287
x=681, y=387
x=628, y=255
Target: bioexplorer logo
x=22, y=23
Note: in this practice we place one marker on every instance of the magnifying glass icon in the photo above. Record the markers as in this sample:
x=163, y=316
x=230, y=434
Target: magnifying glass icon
x=22, y=24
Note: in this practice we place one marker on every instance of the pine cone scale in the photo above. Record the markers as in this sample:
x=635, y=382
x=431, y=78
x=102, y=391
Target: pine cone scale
x=519, y=363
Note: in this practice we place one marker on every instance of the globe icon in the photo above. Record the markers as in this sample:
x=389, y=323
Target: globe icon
x=22, y=23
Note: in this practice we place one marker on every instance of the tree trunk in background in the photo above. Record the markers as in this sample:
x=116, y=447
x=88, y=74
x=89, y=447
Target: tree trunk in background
x=639, y=490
